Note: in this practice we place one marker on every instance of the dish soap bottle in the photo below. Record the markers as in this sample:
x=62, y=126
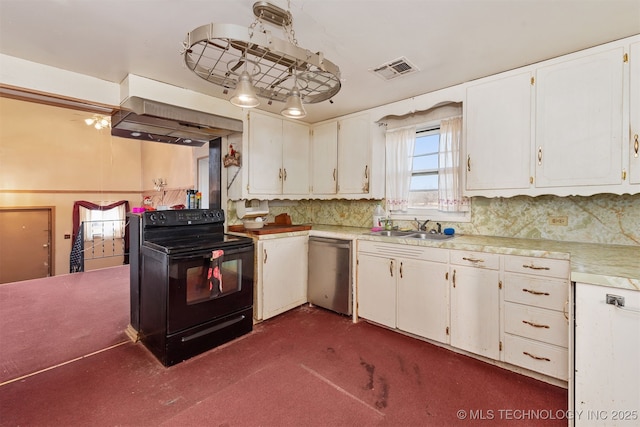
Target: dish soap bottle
x=378, y=216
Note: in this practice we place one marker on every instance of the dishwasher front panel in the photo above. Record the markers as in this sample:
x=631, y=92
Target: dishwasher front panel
x=330, y=274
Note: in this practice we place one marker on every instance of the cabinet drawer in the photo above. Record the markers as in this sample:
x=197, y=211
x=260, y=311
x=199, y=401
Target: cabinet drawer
x=536, y=323
x=394, y=250
x=538, y=266
x=536, y=356
x=536, y=291
x=476, y=259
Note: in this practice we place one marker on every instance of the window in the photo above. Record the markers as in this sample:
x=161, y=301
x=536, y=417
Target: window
x=106, y=224
x=423, y=191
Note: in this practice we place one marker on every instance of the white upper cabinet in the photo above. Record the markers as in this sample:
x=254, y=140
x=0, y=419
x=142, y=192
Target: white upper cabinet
x=278, y=160
x=342, y=159
x=295, y=158
x=265, y=154
x=579, y=113
x=498, y=134
x=325, y=158
x=354, y=155
x=634, y=113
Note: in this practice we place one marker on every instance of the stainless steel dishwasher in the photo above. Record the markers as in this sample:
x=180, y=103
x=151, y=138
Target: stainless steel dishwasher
x=330, y=274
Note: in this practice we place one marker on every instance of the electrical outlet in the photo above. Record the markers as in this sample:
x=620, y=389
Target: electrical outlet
x=559, y=220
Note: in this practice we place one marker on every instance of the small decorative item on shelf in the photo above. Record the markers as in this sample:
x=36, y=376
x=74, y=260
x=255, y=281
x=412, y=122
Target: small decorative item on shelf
x=231, y=159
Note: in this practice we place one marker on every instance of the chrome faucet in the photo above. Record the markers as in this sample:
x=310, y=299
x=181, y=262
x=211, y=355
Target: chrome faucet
x=422, y=226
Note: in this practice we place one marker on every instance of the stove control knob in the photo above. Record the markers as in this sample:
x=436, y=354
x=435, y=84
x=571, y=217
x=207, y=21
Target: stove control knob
x=163, y=217
x=153, y=217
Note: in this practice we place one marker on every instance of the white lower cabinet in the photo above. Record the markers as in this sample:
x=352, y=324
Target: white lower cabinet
x=377, y=289
x=404, y=287
x=281, y=275
x=607, y=351
x=536, y=320
x=508, y=308
x=475, y=303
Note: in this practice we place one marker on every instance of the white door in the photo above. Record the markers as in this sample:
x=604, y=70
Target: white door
x=354, y=174
x=284, y=274
x=265, y=154
x=377, y=289
x=579, y=121
x=607, y=351
x=475, y=309
x=498, y=134
x=325, y=158
x=423, y=303
x=634, y=111
x=295, y=158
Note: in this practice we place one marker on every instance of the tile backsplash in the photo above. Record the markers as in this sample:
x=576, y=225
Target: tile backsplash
x=603, y=218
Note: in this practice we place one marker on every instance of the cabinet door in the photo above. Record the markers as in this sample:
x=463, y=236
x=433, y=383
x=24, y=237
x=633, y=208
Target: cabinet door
x=325, y=158
x=475, y=308
x=498, y=126
x=423, y=299
x=377, y=289
x=284, y=274
x=634, y=110
x=579, y=121
x=354, y=155
x=265, y=154
x=607, y=351
x=295, y=158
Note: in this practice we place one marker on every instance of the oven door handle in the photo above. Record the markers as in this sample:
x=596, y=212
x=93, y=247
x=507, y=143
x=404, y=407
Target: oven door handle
x=207, y=254
x=191, y=256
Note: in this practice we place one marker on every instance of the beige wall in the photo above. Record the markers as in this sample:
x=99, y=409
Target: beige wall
x=50, y=158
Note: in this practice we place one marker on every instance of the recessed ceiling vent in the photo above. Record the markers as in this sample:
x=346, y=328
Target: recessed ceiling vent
x=396, y=68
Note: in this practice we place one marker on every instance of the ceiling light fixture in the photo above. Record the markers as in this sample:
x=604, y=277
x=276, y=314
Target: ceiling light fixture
x=294, y=109
x=98, y=122
x=275, y=69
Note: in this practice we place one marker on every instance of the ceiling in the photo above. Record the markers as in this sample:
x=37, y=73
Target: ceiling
x=449, y=41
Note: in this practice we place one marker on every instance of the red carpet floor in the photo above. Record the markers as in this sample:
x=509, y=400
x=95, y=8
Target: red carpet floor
x=48, y=321
x=307, y=367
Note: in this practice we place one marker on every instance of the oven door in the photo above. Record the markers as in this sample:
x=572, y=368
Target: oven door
x=207, y=285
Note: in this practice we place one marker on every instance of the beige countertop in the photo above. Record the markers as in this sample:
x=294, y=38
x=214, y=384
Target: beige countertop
x=607, y=265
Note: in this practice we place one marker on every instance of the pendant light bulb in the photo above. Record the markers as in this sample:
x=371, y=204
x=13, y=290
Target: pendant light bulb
x=245, y=94
x=294, y=109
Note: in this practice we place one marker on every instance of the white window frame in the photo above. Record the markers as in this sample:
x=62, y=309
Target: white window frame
x=429, y=213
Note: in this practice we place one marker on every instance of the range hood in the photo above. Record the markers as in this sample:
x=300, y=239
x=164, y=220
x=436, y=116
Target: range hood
x=148, y=120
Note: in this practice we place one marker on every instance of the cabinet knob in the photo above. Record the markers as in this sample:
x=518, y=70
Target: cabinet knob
x=635, y=145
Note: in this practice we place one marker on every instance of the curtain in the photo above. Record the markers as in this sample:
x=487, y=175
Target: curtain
x=450, y=197
x=399, y=157
x=93, y=206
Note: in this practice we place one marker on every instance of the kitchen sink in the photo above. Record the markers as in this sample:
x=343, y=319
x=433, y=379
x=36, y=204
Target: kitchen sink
x=431, y=236
x=392, y=233
x=411, y=235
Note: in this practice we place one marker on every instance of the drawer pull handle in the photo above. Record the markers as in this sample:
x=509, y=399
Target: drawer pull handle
x=472, y=259
x=535, y=292
x=533, y=267
x=546, y=359
x=535, y=325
